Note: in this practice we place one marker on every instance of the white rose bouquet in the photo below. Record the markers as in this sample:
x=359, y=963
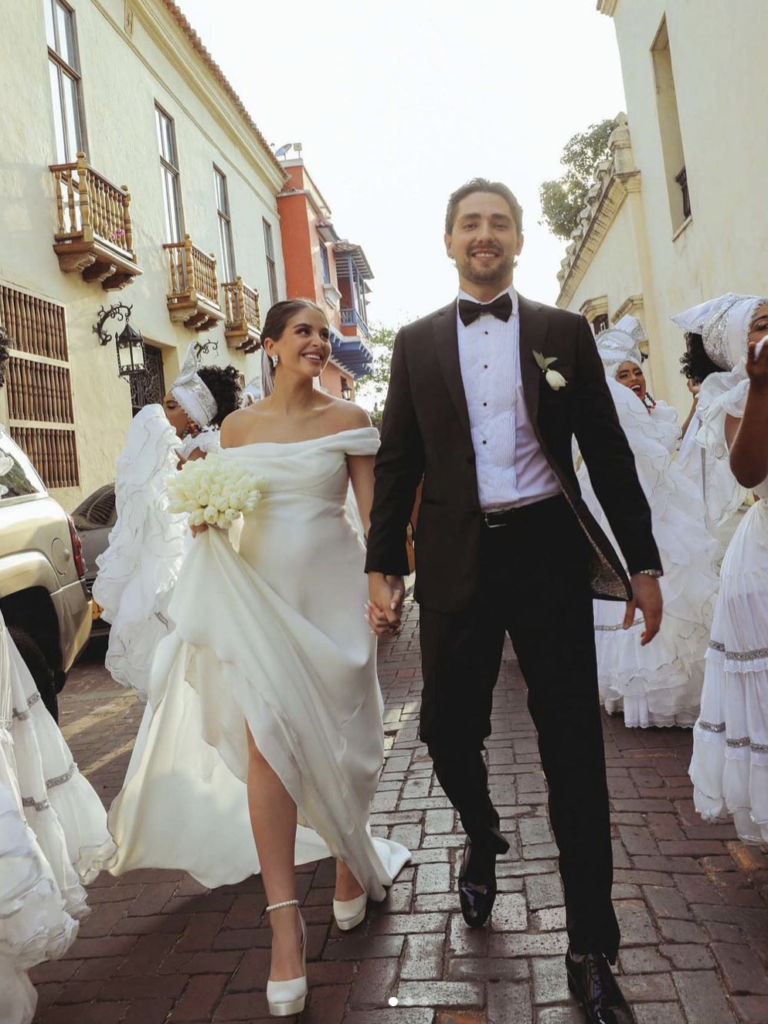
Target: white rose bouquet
x=215, y=491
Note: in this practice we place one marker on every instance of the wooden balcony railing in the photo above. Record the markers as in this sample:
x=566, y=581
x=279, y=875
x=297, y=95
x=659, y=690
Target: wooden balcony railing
x=94, y=235
x=352, y=318
x=242, y=319
x=193, y=298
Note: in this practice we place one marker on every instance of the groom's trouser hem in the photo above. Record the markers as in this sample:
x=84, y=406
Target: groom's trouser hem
x=535, y=586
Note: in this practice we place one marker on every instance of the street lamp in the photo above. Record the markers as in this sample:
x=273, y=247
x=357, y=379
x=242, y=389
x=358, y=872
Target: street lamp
x=346, y=390
x=129, y=344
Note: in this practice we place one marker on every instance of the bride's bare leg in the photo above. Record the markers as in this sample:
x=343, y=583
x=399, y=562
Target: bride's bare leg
x=273, y=820
x=347, y=886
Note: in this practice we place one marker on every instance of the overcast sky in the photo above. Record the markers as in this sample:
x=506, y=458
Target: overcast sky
x=397, y=102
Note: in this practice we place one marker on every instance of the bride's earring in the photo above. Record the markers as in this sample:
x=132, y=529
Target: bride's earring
x=275, y=361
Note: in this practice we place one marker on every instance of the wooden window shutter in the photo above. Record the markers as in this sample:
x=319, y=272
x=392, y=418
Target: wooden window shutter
x=39, y=385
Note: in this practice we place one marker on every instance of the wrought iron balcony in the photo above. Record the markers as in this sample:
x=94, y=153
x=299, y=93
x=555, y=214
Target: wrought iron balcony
x=94, y=235
x=193, y=298
x=242, y=319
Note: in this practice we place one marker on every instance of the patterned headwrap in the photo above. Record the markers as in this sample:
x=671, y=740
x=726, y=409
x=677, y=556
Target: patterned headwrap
x=620, y=344
x=191, y=391
x=724, y=325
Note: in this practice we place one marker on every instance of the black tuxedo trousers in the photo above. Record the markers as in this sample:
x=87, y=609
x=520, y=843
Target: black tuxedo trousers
x=535, y=587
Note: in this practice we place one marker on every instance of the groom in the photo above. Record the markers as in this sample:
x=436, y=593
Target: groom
x=484, y=399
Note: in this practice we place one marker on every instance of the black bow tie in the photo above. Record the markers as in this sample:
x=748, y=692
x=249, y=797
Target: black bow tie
x=501, y=308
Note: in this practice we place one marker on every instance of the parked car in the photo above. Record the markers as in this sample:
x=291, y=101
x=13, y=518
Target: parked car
x=94, y=518
x=43, y=596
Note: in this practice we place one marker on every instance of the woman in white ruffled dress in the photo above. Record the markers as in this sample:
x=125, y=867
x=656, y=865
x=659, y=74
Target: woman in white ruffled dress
x=265, y=717
x=147, y=545
x=53, y=837
x=658, y=684
x=729, y=768
x=721, y=494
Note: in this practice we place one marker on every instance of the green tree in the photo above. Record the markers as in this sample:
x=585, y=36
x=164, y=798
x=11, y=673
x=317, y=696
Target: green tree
x=563, y=200
x=373, y=386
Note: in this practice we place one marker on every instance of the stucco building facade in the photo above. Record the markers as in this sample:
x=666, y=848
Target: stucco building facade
x=131, y=173
x=320, y=265
x=676, y=215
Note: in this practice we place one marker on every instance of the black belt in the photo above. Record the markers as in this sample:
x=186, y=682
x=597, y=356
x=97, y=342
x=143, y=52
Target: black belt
x=504, y=516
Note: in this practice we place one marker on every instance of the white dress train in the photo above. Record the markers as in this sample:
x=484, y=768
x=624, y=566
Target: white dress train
x=729, y=768
x=659, y=684
x=272, y=636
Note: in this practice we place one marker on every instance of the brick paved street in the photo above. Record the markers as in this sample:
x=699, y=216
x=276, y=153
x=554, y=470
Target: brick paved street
x=691, y=899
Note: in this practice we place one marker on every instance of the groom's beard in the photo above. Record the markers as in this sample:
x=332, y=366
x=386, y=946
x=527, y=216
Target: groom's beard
x=499, y=273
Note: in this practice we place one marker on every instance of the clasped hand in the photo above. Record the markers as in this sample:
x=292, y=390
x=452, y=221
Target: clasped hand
x=384, y=608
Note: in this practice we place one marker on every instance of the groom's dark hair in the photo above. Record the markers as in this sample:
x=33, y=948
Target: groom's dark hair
x=483, y=185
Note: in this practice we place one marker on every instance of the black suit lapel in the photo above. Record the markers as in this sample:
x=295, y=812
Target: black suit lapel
x=533, y=336
x=447, y=348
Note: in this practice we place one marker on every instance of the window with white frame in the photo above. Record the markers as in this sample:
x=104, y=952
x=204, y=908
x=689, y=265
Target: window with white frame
x=269, y=249
x=64, y=72
x=325, y=262
x=228, y=272
x=169, y=169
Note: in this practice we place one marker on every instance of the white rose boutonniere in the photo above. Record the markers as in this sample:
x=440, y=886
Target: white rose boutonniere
x=552, y=377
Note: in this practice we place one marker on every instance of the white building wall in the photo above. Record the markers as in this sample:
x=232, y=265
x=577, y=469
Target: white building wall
x=722, y=106
x=122, y=79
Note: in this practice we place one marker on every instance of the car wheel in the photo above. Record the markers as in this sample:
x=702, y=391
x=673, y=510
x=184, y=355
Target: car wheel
x=40, y=670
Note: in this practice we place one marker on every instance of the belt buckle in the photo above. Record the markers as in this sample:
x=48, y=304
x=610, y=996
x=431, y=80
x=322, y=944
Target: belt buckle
x=489, y=524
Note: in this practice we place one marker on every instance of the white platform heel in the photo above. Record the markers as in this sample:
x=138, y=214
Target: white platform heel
x=286, y=998
x=350, y=913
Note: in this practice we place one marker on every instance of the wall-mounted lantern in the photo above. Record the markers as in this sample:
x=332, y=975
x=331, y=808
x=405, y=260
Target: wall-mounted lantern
x=131, y=355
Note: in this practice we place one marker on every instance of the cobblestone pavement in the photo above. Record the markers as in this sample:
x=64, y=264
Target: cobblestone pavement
x=691, y=899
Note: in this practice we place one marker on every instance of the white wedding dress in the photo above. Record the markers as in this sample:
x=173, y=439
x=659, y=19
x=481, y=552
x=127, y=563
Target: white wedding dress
x=729, y=767
x=53, y=837
x=273, y=635
x=659, y=684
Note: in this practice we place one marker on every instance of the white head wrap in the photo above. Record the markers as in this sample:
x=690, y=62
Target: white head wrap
x=191, y=392
x=620, y=344
x=724, y=325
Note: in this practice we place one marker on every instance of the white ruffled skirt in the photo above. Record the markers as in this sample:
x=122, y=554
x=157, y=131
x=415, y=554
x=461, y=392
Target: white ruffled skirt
x=53, y=837
x=729, y=768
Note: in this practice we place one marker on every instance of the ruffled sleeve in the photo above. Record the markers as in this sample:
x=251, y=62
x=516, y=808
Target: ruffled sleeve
x=721, y=395
x=207, y=441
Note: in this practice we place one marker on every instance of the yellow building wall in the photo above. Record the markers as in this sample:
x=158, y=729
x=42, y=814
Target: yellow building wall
x=122, y=79
x=722, y=104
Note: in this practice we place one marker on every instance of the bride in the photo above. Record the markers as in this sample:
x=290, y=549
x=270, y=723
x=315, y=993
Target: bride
x=264, y=719
x=658, y=684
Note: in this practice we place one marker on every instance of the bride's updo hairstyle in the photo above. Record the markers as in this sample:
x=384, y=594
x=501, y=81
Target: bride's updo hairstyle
x=224, y=384
x=275, y=323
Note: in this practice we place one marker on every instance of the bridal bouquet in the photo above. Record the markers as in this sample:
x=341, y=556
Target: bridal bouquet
x=214, y=490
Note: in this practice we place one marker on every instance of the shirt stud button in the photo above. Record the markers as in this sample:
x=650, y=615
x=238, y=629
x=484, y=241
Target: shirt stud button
x=485, y=403
x=485, y=442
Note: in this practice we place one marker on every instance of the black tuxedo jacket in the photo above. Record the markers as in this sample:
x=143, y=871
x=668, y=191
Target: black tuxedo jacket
x=426, y=432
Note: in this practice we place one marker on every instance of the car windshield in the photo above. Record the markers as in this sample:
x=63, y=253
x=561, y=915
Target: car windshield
x=17, y=475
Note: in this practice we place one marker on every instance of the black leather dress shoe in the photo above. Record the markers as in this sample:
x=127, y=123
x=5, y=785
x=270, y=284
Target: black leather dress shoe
x=592, y=982
x=477, y=896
